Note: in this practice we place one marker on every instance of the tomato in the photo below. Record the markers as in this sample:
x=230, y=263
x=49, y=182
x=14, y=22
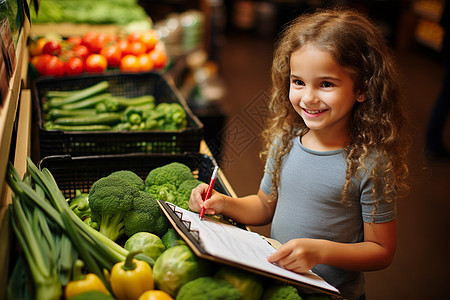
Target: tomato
x=124, y=47
x=159, y=58
x=95, y=63
x=145, y=62
x=137, y=48
x=149, y=38
x=40, y=62
x=74, y=40
x=88, y=39
x=36, y=47
x=102, y=40
x=81, y=51
x=74, y=66
x=113, y=54
x=52, y=48
x=54, y=67
x=129, y=64
x=134, y=36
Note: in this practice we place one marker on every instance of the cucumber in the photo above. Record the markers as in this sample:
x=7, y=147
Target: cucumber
x=80, y=94
x=55, y=113
x=81, y=127
x=87, y=103
x=99, y=119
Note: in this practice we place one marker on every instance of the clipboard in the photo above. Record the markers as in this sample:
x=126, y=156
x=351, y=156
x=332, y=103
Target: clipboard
x=200, y=236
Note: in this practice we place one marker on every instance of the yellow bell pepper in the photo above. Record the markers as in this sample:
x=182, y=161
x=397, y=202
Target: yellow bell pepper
x=131, y=278
x=83, y=283
x=155, y=295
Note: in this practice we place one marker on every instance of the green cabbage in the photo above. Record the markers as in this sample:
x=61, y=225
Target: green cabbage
x=176, y=266
x=150, y=244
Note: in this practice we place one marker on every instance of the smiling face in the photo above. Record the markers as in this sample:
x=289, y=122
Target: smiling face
x=321, y=91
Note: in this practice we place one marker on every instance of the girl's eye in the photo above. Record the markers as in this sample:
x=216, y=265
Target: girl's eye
x=327, y=84
x=298, y=82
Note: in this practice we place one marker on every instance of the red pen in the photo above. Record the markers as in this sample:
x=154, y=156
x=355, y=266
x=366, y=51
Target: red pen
x=208, y=191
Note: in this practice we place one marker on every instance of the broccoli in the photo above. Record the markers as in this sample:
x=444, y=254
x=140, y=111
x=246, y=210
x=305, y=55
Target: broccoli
x=208, y=288
x=165, y=192
x=174, y=173
x=131, y=177
x=110, y=199
x=146, y=215
x=80, y=205
x=184, y=192
x=281, y=292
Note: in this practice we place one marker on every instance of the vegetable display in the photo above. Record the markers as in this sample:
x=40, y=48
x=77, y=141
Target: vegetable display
x=67, y=257
x=94, y=108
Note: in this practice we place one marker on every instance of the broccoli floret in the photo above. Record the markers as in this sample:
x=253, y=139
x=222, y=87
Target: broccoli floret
x=165, y=192
x=208, y=288
x=131, y=177
x=110, y=199
x=184, y=192
x=146, y=215
x=281, y=292
x=174, y=173
x=80, y=205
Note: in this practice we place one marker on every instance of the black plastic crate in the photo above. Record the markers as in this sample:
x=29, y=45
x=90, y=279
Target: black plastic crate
x=81, y=143
x=79, y=173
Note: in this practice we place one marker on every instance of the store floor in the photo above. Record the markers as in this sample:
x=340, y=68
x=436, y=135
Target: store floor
x=421, y=266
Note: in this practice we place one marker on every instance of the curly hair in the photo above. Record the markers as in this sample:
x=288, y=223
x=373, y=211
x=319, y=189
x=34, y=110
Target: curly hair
x=378, y=124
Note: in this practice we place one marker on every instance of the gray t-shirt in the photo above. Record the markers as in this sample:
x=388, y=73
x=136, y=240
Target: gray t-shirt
x=308, y=206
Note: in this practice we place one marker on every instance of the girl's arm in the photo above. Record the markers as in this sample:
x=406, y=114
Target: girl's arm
x=250, y=210
x=375, y=253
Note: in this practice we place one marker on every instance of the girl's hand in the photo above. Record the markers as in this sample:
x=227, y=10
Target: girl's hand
x=298, y=255
x=213, y=205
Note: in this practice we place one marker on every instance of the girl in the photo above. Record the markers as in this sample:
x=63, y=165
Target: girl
x=334, y=150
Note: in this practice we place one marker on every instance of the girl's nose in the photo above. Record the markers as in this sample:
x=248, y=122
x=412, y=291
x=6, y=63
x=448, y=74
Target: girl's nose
x=309, y=96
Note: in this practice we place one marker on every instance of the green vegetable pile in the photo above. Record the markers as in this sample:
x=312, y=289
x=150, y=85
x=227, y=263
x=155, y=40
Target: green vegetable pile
x=95, y=109
x=55, y=233
x=119, y=12
x=52, y=237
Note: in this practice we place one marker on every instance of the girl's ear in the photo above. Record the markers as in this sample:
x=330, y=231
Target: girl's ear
x=361, y=97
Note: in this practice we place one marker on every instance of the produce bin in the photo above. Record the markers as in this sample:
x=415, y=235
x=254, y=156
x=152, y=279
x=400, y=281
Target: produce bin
x=85, y=143
x=79, y=173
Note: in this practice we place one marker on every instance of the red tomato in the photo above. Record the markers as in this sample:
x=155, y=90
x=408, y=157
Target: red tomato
x=96, y=63
x=74, y=40
x=149, y=38
x=159, y=58
x=40, y=62
x=54, y=67
x=124, y=47
x=129, y=64
x=88, y=39
x=52, y=48
x=145, y=62
x=102, y=40
x=81, y=51
x=134, y=36
x=113, y=54
x=137, y=48
x=74, y=66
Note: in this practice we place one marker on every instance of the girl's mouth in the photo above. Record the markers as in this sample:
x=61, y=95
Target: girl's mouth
x=314, y=112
